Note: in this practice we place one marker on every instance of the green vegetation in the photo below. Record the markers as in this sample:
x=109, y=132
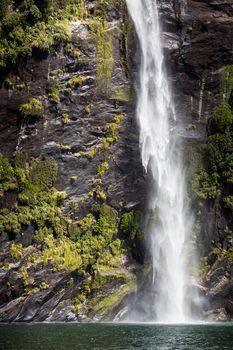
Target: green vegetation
x=65, y=118
x=89, y=246
x=86, y=244
x=218, y=254
x=130, y=224
x=71, y=51
x=104, y=56
x=104, y=276
x=24, y=275
x=32, y=25
x=43, y=173
x=53, y=92
x=104, y=166
x=16, y=251
x=74, y=178
x=203, y=267
x=9, y=84
x=36, y=200
x=62, y=252
x=222, y=119
x=95, y=293
x=33, y=108
x=227, y=75
x=88, y=109
x=211, y=170
x=120, y=94
x=214, y=168
x=75, y=82
x=111, y=136
x=44, y=285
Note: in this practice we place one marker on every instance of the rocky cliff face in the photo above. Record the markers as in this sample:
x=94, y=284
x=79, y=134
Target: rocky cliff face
x=198, y=45
x=89, y=129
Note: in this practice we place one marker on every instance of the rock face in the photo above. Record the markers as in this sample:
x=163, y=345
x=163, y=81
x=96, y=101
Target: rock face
x=92, y=123
x=198, y=44
x=197, y=40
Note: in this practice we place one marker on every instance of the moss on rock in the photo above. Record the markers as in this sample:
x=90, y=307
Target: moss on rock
x=32, y=108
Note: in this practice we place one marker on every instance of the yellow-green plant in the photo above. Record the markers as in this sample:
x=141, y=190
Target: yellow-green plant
x=32, y=108
x=104, y=57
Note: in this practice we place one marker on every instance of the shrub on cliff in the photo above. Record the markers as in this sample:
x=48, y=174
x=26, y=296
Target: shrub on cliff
x=32, y=108
x=26, y=26
x=130, y=224
x=221, y=120
x=215, y=176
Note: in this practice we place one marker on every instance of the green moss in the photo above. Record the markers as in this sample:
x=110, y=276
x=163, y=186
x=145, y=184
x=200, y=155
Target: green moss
x=107, y=222
x=36, y=201
x=228, y=202
x=65, y=118
x=86, y=290
x=88, y=109
x=222, y=119
x=203, y=268
x=30, y=291
x=106, y=305
x=104, y=166
x=103, y=303
x=130, y=224
x=27, y=27
x=16, y=251
x=100, y=194
x=20, y=159
x=206, y=185
x=62, y=252
x=4, y=4
x=65, y=147
x=104, y=56
x=112, y=135
x=43, y=172
x=6, y=170
x=9, y=84
x=112, y=132
x=214, y=164
x=19, y=37
x=120, y=94
x=24, y=274
x=75, y=82
x=33, y=108
x=218, y=254
x=213, y=179
x=72, y=52
x=68, y=91
x=53, y=92
x=74, y=179
x=116, y=248
x=95, y=237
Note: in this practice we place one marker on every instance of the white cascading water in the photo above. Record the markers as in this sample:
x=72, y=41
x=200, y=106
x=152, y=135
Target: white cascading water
x=162, y=156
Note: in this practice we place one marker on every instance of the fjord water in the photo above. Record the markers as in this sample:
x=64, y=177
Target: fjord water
x=115, y=337
x=162, y=157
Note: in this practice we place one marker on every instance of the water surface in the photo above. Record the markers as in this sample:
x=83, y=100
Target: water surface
x=116, y=337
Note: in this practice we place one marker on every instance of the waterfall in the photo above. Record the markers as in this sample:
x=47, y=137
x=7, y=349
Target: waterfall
x=161, y=154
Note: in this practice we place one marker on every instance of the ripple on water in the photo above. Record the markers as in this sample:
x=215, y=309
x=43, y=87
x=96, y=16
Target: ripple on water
x=116, y=337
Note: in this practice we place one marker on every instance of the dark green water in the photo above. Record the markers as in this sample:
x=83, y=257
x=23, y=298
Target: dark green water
x=115, y=337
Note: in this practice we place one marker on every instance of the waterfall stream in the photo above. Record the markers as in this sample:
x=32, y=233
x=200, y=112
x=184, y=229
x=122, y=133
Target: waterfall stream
x=161, y=154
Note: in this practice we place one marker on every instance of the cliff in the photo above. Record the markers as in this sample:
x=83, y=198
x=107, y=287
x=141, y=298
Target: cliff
x=73, y=191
